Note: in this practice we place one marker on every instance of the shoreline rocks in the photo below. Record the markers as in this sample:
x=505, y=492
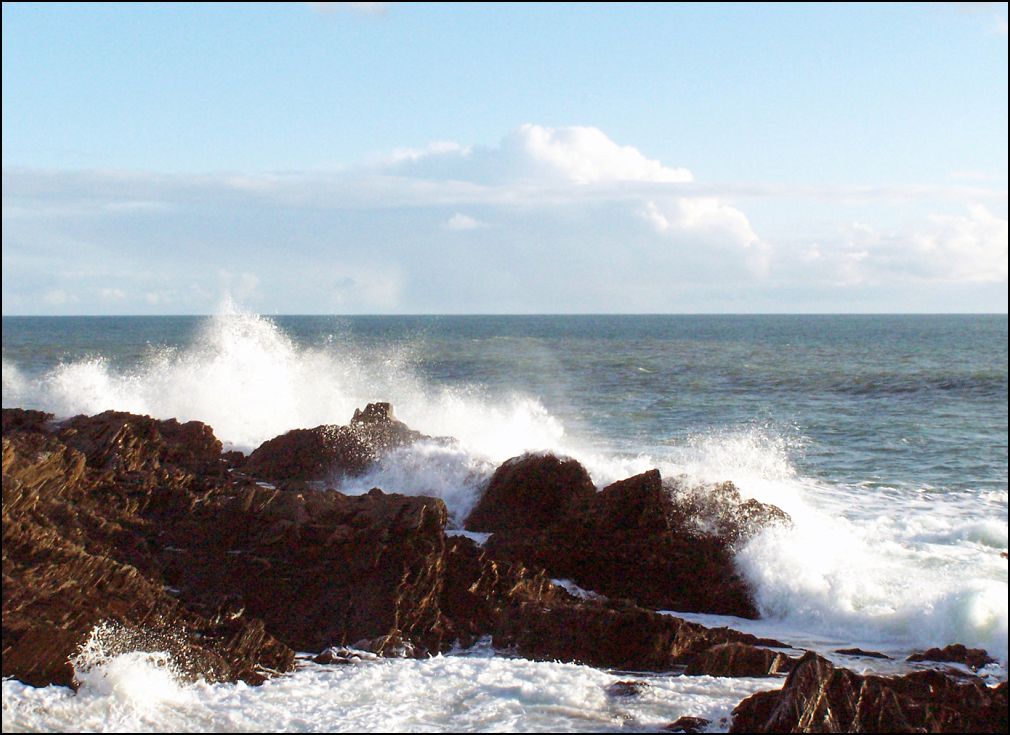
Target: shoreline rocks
x=819, y=697
x=143, y=530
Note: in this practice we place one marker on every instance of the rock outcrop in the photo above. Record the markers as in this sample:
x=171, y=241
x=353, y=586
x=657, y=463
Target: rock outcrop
x=330, y=451
x=973, y=658
x=76, y=553
x=642, y=539
x=818, y=697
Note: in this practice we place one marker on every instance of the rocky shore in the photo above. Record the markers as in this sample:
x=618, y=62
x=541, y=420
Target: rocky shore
x=231, y=564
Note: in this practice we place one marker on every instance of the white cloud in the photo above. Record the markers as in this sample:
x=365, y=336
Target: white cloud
x=539, y=154
x=580, y=223
x=971, y=247
x=584, y=155
x=462, y=222
x=940, y=248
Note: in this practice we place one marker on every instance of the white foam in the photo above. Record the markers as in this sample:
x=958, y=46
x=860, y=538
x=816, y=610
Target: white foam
x=445, y=693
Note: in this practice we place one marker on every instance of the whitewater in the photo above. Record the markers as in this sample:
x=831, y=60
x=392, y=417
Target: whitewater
x=897, y=531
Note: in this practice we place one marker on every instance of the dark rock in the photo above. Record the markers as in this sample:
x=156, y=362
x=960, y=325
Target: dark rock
x=127, y=520
x=76, y=555
x=639, y=503
x=637, y=539
x=818, y=697
x=627, y=688
x=331, y=450
x=533, y=491
x=973, y=658
x=739, y=659
x=688, y=724
x=19, y=419
x=861, y=653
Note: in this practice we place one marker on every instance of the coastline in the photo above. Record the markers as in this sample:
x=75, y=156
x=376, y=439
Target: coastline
x=99, y=511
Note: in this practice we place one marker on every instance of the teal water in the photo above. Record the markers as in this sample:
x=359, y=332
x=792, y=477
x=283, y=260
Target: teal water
x=892, y=400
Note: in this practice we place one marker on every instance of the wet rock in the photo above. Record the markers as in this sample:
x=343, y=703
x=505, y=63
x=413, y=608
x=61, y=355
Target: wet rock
x=739, y=659
x=343, y=655
x=818, y=697
x=125, y=519
x=973, y=658
x=636, y=539
x=77, y=553
x=859, y=652
x=688, y=724
x=533, y=491
x=331, y=450
x=626, y=688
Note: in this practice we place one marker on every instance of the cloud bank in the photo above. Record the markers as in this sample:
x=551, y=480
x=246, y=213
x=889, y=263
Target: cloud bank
x=558, y=219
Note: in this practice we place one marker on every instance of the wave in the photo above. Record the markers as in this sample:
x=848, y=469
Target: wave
x=884, y=564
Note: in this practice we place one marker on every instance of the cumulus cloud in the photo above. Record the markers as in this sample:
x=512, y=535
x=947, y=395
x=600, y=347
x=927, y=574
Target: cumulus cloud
x=539, y=154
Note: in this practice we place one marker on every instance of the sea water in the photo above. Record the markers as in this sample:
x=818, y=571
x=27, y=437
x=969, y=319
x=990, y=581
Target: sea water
x=884, y=437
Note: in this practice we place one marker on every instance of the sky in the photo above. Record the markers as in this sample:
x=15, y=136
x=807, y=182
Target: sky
x=317, y=158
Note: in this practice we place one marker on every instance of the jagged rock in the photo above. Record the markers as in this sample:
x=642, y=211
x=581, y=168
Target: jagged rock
x=635, y=539
x=818, y=697
x=331, y=450
x=739, y=659
x=76, y=555
x=973, y=658
x=320, y=568
x=128, y=519
x=533, y=491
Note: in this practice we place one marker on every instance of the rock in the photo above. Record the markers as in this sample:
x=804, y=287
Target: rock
x=331, y=450
x=636, y=539
x=973, y=658
x=127, y=520
x=343, y=655
x=533, y=491
x=688, y=724
x=861, y=653
x=76, y=555
x=320, y=568
x=19, y=419
x=739, y=659
x=627, y=688
x=818, y=697
x=639, y=503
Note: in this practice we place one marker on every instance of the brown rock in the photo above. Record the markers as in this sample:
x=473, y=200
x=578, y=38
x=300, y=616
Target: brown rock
x=331, y=450
x=532, y=491
x=739, y=659
x=817, y=697
x=637, y=539
x=973, y=658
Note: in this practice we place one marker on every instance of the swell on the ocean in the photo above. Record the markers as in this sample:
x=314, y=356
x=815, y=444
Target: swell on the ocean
x=891, y=566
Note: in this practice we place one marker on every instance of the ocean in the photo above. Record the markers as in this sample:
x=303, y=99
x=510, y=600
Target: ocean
x=884, y=437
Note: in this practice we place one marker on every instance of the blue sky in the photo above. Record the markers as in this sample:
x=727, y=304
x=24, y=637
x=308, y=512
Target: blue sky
x=373, y=158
